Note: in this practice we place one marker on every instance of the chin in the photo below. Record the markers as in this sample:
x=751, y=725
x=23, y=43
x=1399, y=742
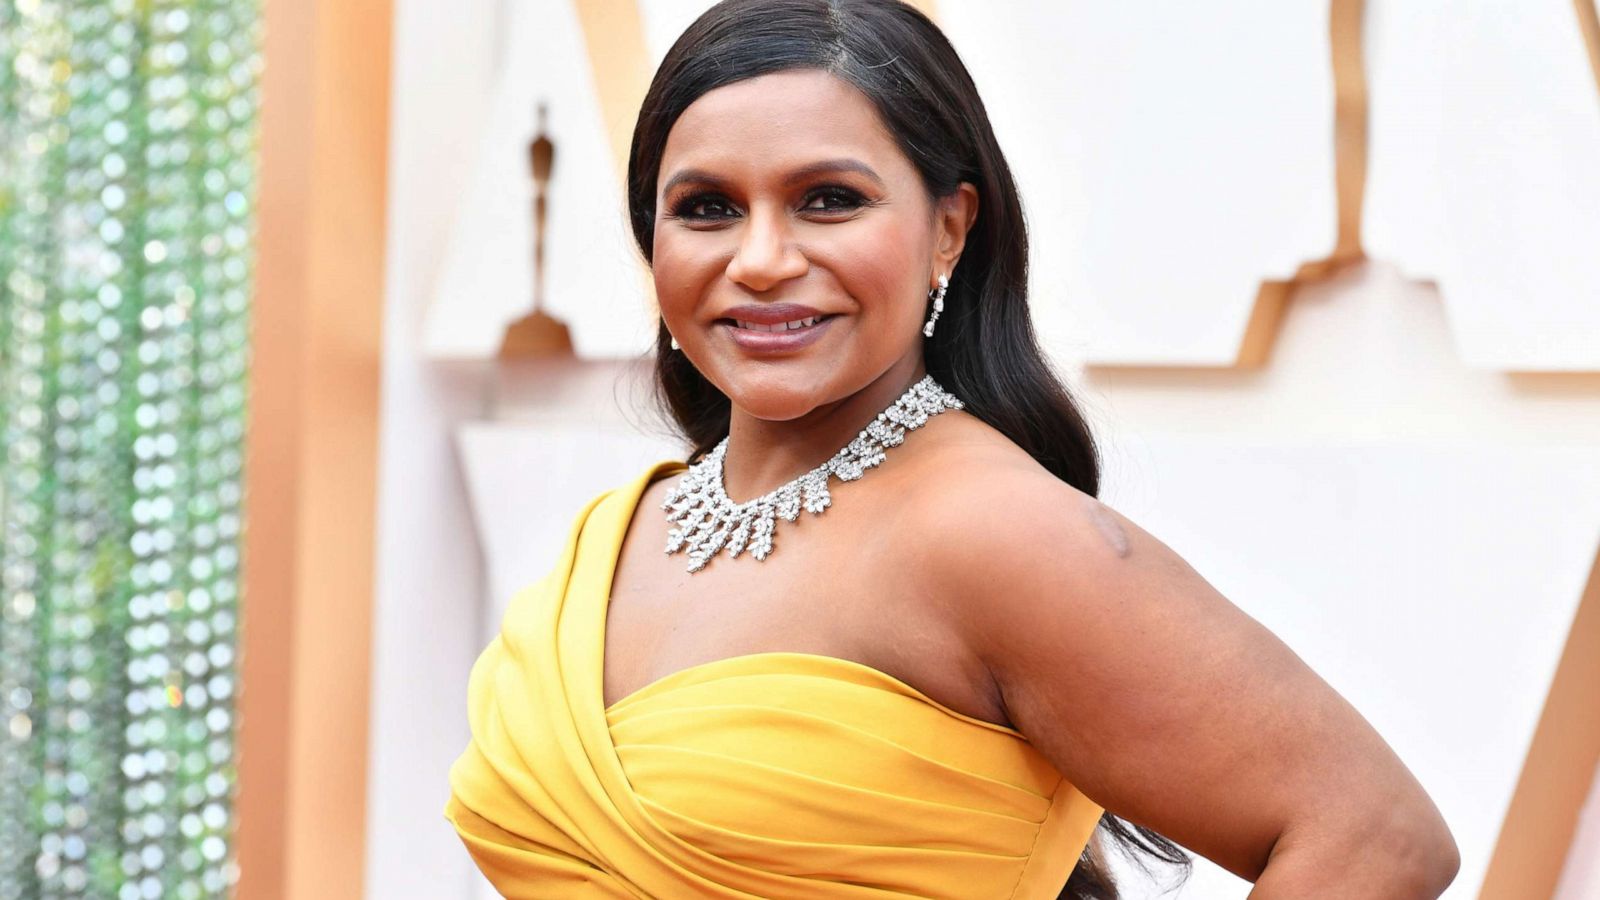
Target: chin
x=780, y=399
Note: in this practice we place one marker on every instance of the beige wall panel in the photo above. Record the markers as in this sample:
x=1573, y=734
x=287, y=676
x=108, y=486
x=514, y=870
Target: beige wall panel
x=1485, y=133
x=1165, y=177
x=425, y=600
x=527, y=481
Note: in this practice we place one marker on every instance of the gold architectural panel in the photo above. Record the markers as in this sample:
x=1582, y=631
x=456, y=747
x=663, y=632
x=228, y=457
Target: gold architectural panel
x=613, y=31
x=1537, y=834
x=1589, y=25
x=311, y=448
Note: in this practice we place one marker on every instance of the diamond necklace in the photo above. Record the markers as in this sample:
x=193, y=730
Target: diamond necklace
x=709, y=522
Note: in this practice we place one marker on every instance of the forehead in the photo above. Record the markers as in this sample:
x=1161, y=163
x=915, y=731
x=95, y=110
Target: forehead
x=778, y=121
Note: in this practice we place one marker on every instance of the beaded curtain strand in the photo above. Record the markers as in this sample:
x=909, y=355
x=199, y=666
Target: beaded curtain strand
x=127, y=193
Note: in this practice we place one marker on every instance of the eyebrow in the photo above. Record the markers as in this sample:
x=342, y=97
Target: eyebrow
x=800, y=174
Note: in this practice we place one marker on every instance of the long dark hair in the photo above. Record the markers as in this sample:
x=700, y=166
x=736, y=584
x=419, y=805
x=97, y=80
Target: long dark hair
x=984, y=349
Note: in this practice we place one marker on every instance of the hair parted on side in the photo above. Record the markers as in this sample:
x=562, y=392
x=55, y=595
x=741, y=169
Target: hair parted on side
x=984, y=349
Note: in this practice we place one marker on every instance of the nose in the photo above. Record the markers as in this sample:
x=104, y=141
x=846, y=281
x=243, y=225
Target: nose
x=766, y=256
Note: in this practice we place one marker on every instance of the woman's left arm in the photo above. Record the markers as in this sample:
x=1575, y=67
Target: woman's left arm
x=1171, y=707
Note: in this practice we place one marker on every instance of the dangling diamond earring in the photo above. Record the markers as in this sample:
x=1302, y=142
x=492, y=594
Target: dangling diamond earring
x=938, y=305
x=671, y=335
x=675, y=344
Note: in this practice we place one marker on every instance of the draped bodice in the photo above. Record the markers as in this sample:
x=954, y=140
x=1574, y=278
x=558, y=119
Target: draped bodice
x=779, y=774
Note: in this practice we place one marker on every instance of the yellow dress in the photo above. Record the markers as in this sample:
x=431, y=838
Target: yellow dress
x=771, y=775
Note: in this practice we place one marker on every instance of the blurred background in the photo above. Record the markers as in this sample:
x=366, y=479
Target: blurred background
x=319, y=321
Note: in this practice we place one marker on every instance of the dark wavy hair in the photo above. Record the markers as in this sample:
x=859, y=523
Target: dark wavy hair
x=984, y=350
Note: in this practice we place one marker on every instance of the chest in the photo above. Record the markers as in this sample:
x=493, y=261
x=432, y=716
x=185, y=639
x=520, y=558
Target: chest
x=834, y=585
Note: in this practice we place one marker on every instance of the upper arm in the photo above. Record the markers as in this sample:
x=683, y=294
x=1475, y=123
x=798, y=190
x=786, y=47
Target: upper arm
x=1152, y=693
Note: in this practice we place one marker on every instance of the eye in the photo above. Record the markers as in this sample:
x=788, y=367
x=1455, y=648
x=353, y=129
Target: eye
x=706, y=207
x=694, y=207
x=844, y=198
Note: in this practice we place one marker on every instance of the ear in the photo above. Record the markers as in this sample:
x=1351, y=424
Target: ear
x=953, y=218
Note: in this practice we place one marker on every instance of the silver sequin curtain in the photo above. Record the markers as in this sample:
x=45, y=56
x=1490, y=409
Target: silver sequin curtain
x=127, y=193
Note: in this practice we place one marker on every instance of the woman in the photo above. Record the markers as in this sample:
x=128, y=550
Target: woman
x=945, y=682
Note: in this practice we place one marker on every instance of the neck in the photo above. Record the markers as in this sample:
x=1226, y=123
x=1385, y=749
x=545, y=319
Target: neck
x=763, y=454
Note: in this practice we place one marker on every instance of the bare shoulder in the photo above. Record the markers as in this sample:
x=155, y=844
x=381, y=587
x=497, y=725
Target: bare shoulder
x=982, y=489
x=1050, y=581
x=1147, y=688
x=990, y=520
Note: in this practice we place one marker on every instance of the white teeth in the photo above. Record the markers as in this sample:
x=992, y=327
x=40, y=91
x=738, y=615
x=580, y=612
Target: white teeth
x=784, y=326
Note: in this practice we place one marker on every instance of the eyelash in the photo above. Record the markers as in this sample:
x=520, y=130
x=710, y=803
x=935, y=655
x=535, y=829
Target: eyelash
x=680, y=209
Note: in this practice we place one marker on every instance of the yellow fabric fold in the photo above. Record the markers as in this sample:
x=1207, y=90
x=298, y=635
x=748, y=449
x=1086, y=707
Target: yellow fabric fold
x=771, y=775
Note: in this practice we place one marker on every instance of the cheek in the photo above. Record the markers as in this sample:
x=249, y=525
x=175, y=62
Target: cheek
x=881, y=267
x=680, y=272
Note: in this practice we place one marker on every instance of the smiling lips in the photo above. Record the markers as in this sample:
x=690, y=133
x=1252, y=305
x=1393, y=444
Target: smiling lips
x=775, y=327
x=781, y=326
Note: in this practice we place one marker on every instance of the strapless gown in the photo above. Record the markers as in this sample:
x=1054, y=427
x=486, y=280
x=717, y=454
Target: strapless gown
x=771, y=775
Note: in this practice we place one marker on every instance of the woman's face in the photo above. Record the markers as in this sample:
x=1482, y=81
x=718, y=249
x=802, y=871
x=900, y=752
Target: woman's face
x=788, y=189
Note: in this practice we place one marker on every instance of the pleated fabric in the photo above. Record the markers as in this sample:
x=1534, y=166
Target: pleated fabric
x=771, y=775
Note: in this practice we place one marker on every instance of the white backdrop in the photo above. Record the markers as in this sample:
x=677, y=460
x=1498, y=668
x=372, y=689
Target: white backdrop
x=1409, y=516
